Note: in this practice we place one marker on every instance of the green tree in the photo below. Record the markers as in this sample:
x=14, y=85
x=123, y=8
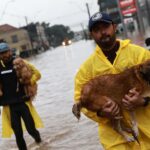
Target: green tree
x=31, y=28
x=57, y=33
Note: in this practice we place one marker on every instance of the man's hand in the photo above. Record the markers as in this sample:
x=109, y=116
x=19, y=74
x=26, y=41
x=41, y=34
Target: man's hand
x=132, y=100
x=109, y=110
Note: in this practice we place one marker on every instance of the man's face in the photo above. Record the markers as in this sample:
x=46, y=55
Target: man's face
x=5, y=56
x=104, y=35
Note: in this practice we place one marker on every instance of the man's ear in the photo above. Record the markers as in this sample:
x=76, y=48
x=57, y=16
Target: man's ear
x=115, y=26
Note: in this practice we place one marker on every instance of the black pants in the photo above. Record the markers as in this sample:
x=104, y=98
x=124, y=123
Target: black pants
x=18, y=111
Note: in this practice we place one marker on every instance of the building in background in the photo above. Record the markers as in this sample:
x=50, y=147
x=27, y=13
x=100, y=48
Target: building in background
x=111, y=8
x=145, y=11
x=18, y=39
x=37, y=37
x=134, y=12
x=41, y=38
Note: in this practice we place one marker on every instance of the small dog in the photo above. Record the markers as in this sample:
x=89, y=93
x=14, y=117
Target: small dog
x=24, y=73
x=94, y=95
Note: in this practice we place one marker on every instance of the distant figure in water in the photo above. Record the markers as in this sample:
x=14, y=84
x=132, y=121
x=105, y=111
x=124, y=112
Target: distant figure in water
x=16, y=93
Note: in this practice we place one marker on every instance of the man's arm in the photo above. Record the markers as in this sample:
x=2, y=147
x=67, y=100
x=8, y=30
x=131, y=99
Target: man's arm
x=109, y=110
x=133, y=99
x=36, y=74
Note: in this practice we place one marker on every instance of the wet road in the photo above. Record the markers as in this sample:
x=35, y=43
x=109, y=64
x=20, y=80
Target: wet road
x=54, y=102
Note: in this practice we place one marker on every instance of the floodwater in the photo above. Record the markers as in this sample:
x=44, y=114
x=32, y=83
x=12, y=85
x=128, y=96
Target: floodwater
x=54, y=102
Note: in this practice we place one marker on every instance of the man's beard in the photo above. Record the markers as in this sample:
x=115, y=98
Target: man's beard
x=107, y=42
x=7, y=59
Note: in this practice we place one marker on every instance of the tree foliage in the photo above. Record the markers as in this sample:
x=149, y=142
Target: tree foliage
x=31, y=28
x=57, y=33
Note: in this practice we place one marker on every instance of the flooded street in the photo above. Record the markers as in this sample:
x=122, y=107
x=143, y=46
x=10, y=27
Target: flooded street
x=54, y=102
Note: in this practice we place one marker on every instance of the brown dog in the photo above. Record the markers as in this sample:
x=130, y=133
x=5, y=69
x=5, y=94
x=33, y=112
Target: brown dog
x=24, y=73
x=94, y=94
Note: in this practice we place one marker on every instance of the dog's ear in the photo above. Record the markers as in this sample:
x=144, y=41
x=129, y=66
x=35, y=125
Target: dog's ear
x=144, y=68
x=144, y=71
x=141, y=69
x=138, y=69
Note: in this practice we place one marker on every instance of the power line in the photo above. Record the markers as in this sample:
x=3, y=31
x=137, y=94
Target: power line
x=88, y=10
x=3, y=12
x=55, y=18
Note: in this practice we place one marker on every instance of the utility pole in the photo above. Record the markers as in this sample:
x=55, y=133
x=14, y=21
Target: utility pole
x=148, y=10
x=85, y=34
x=29, y=34
x=122, y=20
x=140, y=19
x=88, y=10
x=5, y=8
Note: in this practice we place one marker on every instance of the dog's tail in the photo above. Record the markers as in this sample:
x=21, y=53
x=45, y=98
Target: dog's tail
x=76, y=110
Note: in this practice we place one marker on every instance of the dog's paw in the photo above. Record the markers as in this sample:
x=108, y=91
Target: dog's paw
x=136, y=131
x=76, y=110
x=130, y=139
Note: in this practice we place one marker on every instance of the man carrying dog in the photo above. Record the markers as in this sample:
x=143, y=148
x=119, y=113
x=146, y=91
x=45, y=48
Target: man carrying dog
x=16, y=104
x=112, y=56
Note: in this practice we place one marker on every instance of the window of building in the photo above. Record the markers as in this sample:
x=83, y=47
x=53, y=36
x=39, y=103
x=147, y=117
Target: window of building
x=14, y=38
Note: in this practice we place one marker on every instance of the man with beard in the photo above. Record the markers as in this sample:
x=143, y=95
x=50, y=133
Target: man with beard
x=112, y=56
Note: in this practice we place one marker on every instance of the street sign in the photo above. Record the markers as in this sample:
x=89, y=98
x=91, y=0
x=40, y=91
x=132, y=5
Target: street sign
x=129, y=11
x=125, y=3
x=127, y=6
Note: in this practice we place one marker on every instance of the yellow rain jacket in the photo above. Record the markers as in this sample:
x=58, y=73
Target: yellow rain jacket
x=6, y=121
x=97, y=64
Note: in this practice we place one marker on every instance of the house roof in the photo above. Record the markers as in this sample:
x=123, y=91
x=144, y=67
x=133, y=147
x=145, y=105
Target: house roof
x=7, y=28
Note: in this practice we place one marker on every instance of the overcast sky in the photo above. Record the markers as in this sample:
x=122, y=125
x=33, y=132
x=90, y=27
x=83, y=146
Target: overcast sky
x=71, y=13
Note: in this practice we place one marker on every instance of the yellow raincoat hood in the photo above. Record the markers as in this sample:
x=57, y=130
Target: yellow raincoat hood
x=98, y=64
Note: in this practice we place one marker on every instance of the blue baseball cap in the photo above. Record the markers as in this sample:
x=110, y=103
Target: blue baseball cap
x=99, y=17
x=4, y=47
